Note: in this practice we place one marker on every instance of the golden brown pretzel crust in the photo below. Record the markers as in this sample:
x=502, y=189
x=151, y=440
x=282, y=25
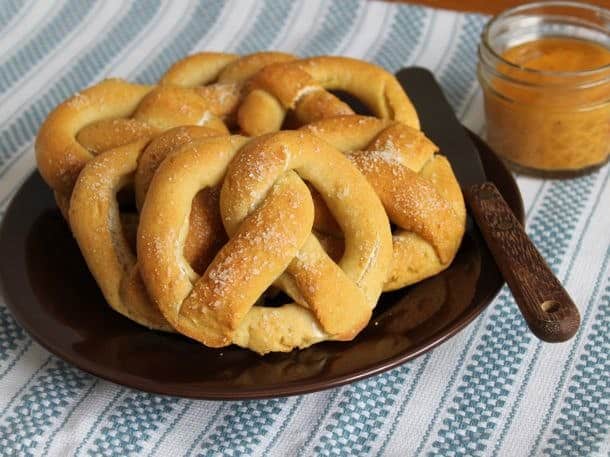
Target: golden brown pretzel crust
x=417, y=188
x=197, y=69
x=301, y=85
x=224, y=218
x=219, y=77
x=206, y=234
x=158, y=149
x=110, y=114
x=96, y=224
x=207, y=67
x=59, y=155
x=107, y=238
x=268, y=211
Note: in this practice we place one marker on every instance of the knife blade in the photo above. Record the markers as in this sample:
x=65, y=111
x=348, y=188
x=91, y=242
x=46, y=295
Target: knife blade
x=546, y=306
x=441, y=125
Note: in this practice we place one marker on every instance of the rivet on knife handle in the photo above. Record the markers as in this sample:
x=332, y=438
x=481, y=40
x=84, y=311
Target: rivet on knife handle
x=548, y=309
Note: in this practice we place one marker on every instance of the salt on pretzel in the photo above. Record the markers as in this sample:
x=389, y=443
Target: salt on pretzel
x=302, y=86
x=219, y=77
x=416, y=186
x=96, y=224
x=110, y=114
x=268, y=213
x=106, y=236
x=206, y=234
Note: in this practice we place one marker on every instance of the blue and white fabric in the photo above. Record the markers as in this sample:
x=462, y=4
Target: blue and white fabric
x=494, y=390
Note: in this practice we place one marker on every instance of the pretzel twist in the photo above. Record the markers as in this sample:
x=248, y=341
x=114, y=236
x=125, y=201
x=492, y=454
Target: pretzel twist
x=97, y=227
x=268, y=213
x=110, y=114
x=206, y=233
x=106, y=236
x=219, y=77
x=417, y=187
x=302, y=86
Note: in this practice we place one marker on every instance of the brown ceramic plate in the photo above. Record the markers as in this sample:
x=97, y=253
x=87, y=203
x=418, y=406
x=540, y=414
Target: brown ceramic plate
x=52, y=295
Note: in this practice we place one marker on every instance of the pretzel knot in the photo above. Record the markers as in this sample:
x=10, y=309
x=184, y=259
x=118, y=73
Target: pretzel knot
x=302, y=86
x=417, y=187
x=219, y=77
x=110, y=114
x=103, y=235
x=268, y=212
x=106, y=236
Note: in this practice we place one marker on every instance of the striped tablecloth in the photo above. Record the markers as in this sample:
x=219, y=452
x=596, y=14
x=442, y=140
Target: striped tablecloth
x=493, y=390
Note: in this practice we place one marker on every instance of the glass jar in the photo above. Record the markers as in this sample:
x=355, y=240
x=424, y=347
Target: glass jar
x=545, y=72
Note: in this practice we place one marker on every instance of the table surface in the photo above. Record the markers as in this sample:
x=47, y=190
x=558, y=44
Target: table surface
x=483, y=6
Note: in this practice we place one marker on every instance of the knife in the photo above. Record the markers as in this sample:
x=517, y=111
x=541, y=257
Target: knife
x=546, y=306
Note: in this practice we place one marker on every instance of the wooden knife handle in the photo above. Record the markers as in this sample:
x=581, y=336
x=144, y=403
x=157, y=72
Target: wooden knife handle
x=546, y=306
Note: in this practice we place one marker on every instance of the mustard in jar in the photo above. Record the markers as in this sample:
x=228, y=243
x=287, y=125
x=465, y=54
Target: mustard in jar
x=545, y=73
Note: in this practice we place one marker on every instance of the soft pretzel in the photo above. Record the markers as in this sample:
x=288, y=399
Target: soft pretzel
x=158, y=149
x=302, y=86
x=422, y=310
x=106, y=236
x=110, y=114
x=219, y=77
x=96, y=224
x=268, y=213
x=206, y=233
x=416, y=186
